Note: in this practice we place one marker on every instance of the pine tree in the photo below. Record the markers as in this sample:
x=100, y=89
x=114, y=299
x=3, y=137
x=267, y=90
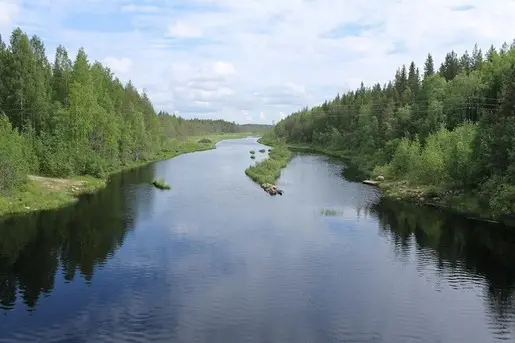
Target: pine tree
x=477, y=58
x=465, y=63
x=490, y=54
x=413, y=79
x=429, y=68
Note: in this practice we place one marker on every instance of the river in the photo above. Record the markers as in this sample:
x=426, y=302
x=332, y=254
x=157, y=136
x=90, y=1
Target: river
x=216, y=259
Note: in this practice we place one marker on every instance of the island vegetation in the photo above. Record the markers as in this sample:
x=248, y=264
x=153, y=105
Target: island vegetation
x=66, y=125
x=269, y=170
x=161, y=184
x=443, y=136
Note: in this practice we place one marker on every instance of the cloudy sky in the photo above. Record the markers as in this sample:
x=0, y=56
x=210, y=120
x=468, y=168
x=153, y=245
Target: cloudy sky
x=257, y=60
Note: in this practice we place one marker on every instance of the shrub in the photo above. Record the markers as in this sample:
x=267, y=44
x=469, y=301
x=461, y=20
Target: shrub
x=14, y=156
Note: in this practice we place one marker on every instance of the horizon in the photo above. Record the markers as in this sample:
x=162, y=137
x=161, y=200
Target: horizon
x=256, y=62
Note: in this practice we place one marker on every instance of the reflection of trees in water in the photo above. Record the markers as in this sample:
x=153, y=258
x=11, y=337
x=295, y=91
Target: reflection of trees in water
x=77, y=238
x=477, y=249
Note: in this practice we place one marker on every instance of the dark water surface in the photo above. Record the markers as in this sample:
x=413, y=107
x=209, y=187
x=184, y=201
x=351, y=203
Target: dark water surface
x=216, y=259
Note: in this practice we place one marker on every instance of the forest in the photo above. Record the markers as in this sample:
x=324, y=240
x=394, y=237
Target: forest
x=451, y=127
x=74, y=117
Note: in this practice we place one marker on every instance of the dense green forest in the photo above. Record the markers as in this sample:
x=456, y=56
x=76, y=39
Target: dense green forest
x=76, y=118
x=451, y=127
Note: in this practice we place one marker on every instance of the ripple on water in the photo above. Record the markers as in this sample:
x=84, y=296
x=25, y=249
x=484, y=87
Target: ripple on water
x=217, y=259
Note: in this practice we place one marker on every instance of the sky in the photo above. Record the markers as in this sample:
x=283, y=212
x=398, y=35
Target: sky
x=256, y=61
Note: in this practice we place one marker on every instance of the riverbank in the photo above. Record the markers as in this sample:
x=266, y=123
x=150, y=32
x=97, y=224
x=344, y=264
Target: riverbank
x=46, y=193
x=458, y=201
x=269, y=170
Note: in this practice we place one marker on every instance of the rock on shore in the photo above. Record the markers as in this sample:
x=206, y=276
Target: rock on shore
x=271, y=189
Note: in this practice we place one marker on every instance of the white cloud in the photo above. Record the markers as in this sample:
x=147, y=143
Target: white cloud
x=182, y=30
x=131, y=8
x=262, y=116
x=223, y=68
x=229, y=58
x=8, y=11
x=246, y=116
x=118, y=65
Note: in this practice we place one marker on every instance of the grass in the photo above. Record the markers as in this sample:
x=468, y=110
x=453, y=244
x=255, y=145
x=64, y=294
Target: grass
x=161, y=184
x=331, y=213
x=269, y=170
x=46, y=193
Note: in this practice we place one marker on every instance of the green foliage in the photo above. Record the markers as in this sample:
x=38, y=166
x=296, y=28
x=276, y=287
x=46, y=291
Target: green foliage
x=76, y=118
x=446, y=159
x=452, y=128
x=269, y=170
x=15, y=154
x=331, y=212
x=161, y=184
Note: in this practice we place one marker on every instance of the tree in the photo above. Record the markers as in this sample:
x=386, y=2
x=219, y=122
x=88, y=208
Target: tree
x=429, y=68
x=456, y=128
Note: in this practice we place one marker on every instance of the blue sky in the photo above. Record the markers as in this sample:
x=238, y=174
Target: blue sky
x=258, y=60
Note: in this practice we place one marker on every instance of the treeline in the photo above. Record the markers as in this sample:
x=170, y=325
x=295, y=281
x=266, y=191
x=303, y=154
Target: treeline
x=257, y=128
x=449, y=127
x=75, y=117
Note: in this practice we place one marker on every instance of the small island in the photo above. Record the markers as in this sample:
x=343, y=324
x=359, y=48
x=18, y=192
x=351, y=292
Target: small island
x=161, y=184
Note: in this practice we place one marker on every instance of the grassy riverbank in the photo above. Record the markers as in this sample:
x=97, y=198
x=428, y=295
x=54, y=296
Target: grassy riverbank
x=269, y=170
x=45, y=193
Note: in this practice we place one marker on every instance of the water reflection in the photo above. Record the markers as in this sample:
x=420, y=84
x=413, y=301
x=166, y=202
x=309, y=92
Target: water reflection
x=217, y=259
x=74, y=240
x=463, y=254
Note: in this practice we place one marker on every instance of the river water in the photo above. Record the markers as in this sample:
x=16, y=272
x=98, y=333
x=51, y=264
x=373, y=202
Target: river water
x=216, y=259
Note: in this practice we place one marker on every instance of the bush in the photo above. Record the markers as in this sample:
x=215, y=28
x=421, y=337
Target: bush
x=445, y=159
x=405, y=158
x=161, y=184
x=205, y=141
x=15, y=154
x=500, y=194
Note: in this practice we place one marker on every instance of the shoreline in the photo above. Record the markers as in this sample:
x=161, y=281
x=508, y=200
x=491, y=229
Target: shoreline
x=458, y=202
x=42, y=193
x=461, y=202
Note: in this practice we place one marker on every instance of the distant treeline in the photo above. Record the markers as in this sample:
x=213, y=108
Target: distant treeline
x=258, y=128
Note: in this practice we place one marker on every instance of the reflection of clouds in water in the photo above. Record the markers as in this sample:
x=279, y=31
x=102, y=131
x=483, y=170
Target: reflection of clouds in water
x=218, y=259
x=184, y=229
x=243, y=291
